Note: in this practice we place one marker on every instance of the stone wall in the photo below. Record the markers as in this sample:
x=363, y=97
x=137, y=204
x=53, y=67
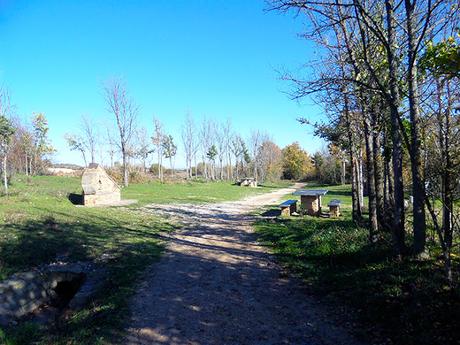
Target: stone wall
x=311, y=204
x=24, y=292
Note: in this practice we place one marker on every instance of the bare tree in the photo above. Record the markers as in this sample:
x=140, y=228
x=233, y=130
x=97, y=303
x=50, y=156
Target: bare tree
x=76, y=143
x=125, y=112
x=112, y=145
x=190, y=143
x=157, y=139
x=238, y=149
x=221, y=145
x=270, y=161
x=255, y=142
x=143, y=147
x=90, y=135
x=207, y=137
x=227, y=132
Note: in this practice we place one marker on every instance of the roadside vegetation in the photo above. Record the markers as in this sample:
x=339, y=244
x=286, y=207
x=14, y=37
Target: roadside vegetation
x=392, y=301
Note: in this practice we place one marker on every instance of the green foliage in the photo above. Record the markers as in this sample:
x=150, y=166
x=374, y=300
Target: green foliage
x=75, y=143
x=212, y=153
x=6, y=132
x=169, y=147
x=40, y=126
x=246, y=155
x=443, y=58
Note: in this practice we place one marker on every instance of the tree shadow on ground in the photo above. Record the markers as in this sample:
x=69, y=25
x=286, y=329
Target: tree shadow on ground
x=205, y=300
x=402, y=300
x=272, y=212
x=124, y=248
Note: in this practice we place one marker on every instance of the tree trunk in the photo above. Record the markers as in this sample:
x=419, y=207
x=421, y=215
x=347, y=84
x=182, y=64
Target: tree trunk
x=205, y=167
x=5, y=175
x=448, y=188
x=84, y=158
x=27, y=165
x=236, y=170
x=159, y=163
x=125, y=168
x=388, y=183
x=196, y=168
x=418, y=185
x=360, y=180
x=378, y=174
x=221, y=169
x=372, y=200
x=356, y=210
x=398, y=210
x=230, y=168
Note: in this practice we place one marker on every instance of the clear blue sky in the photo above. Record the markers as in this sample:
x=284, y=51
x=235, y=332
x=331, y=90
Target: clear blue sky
x=213, y=58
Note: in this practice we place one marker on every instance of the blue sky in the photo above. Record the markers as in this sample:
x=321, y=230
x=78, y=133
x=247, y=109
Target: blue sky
x=216, y=59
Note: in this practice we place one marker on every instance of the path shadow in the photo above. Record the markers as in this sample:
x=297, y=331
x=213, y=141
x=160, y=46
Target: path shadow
x=273, y=212
x=193, y=299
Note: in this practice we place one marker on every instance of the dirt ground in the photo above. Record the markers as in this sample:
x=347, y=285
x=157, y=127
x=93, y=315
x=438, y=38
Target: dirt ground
x=216, y=285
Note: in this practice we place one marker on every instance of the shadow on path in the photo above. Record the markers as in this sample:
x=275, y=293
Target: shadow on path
x=216, y=285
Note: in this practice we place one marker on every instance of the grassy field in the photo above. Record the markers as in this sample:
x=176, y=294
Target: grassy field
x=194, y=192
x=39, y=223
x=394, y=302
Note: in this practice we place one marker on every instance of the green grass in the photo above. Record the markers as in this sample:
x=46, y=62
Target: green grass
x=38, y=222
x=406, y=302
x=194, y=192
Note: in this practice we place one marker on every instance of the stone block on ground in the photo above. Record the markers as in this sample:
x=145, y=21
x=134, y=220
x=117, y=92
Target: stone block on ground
x=98, y=187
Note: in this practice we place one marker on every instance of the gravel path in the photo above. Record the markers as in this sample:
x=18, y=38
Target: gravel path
x=216, y=285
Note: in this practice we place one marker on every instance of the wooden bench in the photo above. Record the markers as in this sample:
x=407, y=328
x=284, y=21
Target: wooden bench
x=334, y=208
x=288, y=207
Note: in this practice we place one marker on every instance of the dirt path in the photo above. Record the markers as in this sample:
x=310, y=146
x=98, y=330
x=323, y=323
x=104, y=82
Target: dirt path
x=216, y=285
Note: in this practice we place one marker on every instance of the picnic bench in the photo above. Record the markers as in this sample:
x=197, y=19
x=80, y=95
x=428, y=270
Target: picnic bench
x=288, y=207
x=311, y=200
x=334, y=208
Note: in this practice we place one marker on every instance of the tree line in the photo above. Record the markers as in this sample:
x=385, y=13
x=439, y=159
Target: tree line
x=388, y=77
x=24, y=145
x=212, y=150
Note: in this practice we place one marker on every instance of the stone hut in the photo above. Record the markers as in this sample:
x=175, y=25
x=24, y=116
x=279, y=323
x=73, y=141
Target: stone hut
x=98, y=187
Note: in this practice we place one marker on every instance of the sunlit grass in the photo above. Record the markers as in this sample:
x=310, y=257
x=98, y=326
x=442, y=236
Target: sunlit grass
x=194, y=192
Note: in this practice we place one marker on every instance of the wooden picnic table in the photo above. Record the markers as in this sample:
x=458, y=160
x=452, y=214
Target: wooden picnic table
x=310, y=200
